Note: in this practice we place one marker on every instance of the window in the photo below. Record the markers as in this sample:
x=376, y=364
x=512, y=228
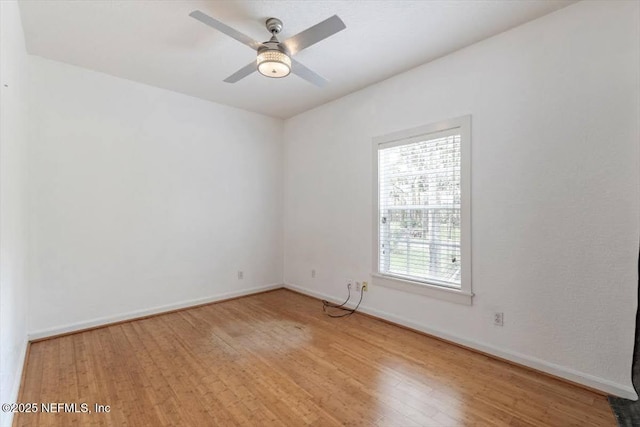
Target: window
x=422, y=214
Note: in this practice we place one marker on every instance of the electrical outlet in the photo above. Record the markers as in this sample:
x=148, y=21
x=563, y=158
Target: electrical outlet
x=240, y=275
x=498, y=318
x=349, y=284
x=358, y=287
x=365, y=286
x=313, y=274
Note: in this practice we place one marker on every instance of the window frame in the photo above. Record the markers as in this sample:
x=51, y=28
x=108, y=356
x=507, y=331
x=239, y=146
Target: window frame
x=463, y=295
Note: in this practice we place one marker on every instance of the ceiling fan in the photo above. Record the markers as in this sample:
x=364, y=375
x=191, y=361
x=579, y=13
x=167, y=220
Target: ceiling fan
x=274, y=57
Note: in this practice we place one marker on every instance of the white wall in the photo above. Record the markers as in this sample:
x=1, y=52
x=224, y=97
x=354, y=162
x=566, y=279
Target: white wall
x=555, y=191
x=144, y=199
x=13, y=202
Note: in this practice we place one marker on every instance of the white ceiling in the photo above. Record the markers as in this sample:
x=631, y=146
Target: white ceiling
x=157, y=43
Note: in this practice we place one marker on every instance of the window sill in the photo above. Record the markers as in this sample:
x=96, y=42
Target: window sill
x=434, y=291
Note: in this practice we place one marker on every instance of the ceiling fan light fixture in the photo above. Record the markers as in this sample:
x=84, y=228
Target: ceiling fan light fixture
x=274, y=57
x=274, y=63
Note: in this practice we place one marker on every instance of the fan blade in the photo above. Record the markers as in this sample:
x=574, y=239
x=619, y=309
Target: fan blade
x=224, y=28
x=301, y=71
x=242, y=72
x=313, y=35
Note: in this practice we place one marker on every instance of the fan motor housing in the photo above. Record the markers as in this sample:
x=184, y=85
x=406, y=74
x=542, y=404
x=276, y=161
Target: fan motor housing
x=271, y=45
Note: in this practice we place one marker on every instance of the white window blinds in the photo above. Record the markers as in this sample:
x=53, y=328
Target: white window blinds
x=419, y=208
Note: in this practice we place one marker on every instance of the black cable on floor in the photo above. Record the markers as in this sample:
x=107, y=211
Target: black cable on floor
x=349, y=311
x=326, y=303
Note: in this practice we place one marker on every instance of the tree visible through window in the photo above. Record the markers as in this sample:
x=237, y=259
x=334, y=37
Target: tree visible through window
x=419, y=208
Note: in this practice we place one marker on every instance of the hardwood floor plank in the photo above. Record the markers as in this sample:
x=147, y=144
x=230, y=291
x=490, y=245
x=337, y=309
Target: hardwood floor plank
x=275, y=359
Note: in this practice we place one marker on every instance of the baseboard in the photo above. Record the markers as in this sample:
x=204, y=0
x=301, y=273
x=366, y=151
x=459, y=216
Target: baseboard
x=561, y=372
x=140, y=314
x=6, y=418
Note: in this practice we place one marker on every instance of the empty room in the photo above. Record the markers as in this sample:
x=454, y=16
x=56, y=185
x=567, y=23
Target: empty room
x=325, y=213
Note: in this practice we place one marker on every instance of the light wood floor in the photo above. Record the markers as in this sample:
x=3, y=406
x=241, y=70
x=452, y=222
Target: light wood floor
x=275, y=359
